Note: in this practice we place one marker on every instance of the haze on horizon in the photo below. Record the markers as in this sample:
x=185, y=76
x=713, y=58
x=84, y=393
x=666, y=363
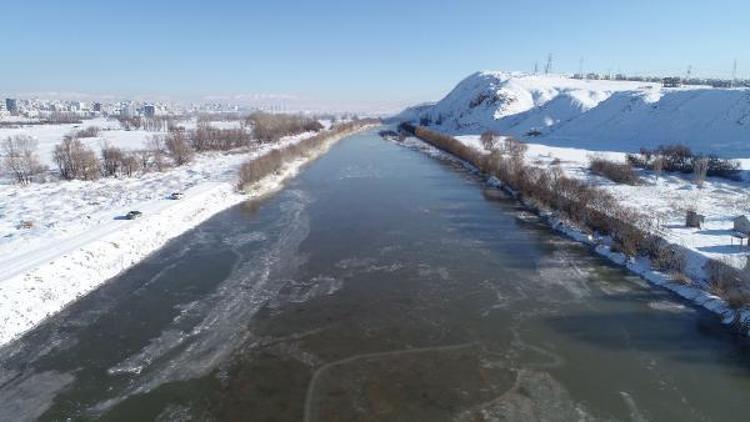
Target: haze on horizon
x=368, y=52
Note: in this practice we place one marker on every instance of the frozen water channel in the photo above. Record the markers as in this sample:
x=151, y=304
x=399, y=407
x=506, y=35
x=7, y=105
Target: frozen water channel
x=381, y=284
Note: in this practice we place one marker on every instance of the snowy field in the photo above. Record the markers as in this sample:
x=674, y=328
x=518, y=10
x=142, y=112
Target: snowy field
x=666, y=198
x=79, y=238
x=49, y=135
x=594, y=114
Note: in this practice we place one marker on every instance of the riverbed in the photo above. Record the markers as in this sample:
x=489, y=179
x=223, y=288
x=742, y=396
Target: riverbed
x=380, y=284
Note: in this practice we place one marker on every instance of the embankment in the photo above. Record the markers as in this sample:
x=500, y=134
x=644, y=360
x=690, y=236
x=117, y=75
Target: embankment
x=592, y=216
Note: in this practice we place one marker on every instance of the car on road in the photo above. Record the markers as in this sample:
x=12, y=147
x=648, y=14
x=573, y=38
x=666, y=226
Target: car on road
x=176, y=195
x=132, y=215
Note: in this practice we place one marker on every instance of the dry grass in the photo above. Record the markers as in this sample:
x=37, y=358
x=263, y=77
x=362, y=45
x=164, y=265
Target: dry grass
x=613, y=170
x=272, y=127
x=729, y=283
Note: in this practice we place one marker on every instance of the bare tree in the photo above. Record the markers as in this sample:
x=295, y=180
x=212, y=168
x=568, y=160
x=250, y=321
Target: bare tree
x=179, y=148
x=75, y=160
x=21, y=158
x=488, y=139
x=658, y=165
x=516, y=151
x=154, y=154
x=112, y=158
x=700, y=168
x=129, y=163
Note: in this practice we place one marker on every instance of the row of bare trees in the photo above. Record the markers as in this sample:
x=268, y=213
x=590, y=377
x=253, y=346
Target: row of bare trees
x=580, y=202
x=595, y=209
x=268, y=127
x=253, y=170
x=76, y=160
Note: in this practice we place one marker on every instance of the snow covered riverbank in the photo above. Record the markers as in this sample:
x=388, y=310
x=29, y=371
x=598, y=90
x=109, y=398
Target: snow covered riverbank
x=653, y=196
x=79, y=239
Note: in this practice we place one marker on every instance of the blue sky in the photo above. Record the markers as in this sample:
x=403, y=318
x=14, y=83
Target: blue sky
x=352, y=51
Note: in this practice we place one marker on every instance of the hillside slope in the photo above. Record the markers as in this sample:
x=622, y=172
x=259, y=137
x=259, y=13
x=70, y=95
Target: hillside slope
x=597, y=115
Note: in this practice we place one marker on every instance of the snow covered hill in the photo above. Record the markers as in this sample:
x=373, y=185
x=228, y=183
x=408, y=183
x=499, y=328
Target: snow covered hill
x=594, y=114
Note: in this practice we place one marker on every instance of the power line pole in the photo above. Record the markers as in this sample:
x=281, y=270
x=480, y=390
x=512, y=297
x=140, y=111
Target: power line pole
x=580, y=67
x=548, y=66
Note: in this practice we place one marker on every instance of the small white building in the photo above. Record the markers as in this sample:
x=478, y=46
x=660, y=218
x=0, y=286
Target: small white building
x=742, y=225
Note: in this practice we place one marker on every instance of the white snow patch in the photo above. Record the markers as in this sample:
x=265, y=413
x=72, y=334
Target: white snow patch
x=594, y=114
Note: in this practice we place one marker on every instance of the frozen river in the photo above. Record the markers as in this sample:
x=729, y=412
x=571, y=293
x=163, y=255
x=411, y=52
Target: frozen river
x=381, y=285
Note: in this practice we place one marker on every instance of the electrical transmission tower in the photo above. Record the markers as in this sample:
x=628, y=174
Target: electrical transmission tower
x=580, y=67
x=689, y=73
x=734, y=74
x=536, y=67
x=548, y=66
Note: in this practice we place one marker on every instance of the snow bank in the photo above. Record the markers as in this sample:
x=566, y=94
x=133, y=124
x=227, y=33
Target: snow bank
x=596, y=115
x=85, y=243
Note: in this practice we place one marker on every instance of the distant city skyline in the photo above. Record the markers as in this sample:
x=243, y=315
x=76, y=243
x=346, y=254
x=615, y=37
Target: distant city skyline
x=388, y=53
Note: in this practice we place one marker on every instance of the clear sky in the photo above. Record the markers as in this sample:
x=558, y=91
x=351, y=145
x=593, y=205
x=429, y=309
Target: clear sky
x=383, y=50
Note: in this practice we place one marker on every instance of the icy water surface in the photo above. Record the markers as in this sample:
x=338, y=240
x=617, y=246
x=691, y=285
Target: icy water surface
x=380, y=285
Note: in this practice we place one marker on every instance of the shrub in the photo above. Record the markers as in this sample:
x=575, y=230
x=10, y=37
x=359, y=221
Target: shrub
x=254, y=170
x=208, y=138
x=679, y=158
x=151, y=124
x=20, y=158
x=534, y=132
x=89, y=132
x=614, y=171
x=63, y=117
x=720, y=167
x=729, y=283
x=668, y=258
x=272, y=127
x=25, y=224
